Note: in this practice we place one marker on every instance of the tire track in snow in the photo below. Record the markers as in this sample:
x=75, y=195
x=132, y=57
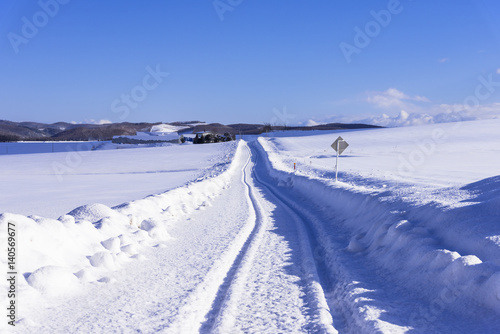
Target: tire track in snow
x=332, y=274
x=205, y=301
x=221, y=318
x=224, y=312
x=248, y=277
x=315, y=296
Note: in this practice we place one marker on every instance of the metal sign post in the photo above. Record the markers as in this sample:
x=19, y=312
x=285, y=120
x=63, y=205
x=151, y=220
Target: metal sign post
x=339, y=146
x=337, y=161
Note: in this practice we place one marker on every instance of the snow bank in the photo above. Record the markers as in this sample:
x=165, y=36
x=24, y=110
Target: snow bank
x=57, y=256
x=452, y=252
x=53, y=280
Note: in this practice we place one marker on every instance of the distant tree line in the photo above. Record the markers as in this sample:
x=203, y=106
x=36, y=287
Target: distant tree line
x=9, y=138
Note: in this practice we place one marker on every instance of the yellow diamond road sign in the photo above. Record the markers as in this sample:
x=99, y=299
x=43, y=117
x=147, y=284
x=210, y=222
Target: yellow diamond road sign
x=340, y=144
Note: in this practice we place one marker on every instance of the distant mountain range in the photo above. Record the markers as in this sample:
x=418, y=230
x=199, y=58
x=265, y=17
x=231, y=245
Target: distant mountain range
x=62, y=131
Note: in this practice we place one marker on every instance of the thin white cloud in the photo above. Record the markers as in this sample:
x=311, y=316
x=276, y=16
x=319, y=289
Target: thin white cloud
x=401, y=109
x=394, y=98
x=444, y=60
x=421, y=99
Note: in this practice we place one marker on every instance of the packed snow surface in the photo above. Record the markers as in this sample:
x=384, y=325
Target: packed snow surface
x=407, y=241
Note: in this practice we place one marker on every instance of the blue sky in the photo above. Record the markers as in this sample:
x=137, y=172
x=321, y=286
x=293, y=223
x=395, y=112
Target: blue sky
x=255, y=61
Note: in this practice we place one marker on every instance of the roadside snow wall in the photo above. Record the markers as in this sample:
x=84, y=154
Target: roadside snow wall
x=448, y=255
x=55, y=257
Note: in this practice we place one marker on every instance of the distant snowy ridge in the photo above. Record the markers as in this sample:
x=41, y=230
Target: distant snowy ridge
x=408, y=118
x=167, y=128
x=405, y=118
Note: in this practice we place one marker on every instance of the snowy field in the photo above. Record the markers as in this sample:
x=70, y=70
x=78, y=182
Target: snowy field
x=447, y=154
x=47, y=147
x=408, y=240
x=110, y=177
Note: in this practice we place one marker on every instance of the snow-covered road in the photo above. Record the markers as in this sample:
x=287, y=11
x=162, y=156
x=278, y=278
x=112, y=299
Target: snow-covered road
x=268, y=251
x=243, y=264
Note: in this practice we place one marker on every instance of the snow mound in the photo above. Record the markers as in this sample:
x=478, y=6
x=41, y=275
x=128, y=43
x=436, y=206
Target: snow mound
x=102, y=217
x=104, y=259
x=124, y=239
x=155, y=229
x=92, y=212
x=53, y=280
x=112, y=244
x=130, y=249
x=86, y=275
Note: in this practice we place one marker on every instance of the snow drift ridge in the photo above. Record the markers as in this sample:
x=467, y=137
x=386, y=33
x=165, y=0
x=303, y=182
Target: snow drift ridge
x=447, y=255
